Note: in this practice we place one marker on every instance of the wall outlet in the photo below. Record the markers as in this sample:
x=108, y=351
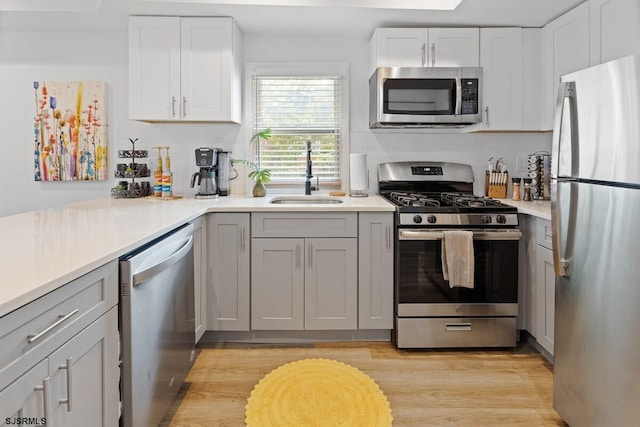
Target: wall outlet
x=521, y=164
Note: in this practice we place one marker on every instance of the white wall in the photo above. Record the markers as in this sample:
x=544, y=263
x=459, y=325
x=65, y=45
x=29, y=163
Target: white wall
x=27, y=56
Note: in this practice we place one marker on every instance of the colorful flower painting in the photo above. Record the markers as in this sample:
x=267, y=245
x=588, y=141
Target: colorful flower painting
x=70, y=131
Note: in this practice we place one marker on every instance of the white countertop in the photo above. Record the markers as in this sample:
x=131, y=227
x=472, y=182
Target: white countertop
x=42, y=250
x=537, y=208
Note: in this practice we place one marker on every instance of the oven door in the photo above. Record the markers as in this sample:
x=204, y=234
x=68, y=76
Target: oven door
x=421, y=289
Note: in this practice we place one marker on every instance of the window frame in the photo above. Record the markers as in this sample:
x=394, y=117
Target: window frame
x=299, y=69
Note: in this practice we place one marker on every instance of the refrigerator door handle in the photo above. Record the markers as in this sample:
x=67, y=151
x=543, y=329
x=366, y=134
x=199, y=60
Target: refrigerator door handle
x=563, y=256
x=564, y=159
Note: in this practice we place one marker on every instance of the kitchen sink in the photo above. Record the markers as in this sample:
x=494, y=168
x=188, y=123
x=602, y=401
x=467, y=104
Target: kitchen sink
x=304, y=200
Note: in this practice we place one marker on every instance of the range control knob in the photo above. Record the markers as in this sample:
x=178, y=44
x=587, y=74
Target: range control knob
x=417, y=219
x=501, y=219
x=486, y=219
x=431, y=219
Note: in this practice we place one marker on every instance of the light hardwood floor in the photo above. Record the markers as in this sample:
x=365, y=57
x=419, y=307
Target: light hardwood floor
x=424, y=388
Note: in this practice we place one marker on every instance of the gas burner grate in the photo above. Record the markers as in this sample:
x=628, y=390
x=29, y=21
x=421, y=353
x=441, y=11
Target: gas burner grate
x=469, y=200
x=412, y=199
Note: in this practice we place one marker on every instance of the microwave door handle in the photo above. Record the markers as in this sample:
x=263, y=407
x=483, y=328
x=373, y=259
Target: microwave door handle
x=458, y=96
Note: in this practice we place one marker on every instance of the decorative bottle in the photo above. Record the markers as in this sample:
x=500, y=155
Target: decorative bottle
x=167, y=176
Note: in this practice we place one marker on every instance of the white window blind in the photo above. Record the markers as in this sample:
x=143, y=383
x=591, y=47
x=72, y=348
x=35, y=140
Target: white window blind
x=298, y=109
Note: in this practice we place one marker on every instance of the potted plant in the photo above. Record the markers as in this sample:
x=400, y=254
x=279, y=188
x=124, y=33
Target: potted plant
x=261, y=176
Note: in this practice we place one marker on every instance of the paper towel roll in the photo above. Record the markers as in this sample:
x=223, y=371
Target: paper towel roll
x=358, y=178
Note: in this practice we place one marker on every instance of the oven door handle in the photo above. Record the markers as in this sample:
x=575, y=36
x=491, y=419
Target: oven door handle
x=477, y=235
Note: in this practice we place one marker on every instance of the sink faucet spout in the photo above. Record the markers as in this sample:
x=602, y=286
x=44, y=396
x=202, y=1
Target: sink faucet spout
x=307, y=183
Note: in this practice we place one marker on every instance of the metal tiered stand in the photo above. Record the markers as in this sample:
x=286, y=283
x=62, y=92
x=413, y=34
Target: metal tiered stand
x=132, y=171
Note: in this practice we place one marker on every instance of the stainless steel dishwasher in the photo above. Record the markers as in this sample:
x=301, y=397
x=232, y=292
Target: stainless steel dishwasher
x=157, y=326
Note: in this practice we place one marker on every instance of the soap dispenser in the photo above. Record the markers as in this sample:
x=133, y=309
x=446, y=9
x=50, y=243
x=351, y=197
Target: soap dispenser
x=157, y=176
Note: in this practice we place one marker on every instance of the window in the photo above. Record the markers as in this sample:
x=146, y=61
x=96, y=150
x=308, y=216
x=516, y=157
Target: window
x=299, y=108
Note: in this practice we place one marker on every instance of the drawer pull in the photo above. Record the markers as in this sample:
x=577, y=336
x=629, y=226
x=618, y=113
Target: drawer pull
x=31, y=338
x=458, y=326
x=68, y=367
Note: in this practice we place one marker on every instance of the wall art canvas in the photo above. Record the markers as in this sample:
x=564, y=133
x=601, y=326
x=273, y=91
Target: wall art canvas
x=70, y=131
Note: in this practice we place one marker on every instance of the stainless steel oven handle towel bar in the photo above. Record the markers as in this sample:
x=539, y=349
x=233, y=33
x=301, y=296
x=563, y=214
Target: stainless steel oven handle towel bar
x=477, y=235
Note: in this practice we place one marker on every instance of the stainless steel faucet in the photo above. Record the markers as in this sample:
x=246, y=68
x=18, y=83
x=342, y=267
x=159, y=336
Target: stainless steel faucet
x=308, y=188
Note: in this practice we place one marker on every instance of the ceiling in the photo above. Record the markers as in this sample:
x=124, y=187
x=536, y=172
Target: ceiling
x=283, y=17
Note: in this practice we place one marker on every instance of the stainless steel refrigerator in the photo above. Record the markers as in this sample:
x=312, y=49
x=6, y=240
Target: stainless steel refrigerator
x=595, y=205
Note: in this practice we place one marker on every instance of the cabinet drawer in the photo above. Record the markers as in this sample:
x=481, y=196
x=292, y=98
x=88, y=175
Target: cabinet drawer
x=543, y=233
x=304, y=224
x=443, y=332
x=32, y=332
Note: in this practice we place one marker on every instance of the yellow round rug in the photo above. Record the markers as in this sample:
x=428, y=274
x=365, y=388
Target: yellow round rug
x=317, y=393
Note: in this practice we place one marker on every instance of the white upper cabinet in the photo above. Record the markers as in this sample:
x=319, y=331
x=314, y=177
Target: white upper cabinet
x=565, y=49
x=615, y=29
x=425, y=47
x=501, y=62
x=184, y=69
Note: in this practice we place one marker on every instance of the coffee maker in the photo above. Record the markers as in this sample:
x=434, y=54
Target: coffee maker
x=206, y=159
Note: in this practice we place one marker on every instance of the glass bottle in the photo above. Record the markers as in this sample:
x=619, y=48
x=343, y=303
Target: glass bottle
x=516, y=189
x=527, y=190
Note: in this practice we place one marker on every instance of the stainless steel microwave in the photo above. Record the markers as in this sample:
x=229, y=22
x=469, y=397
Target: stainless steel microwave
x=425, y=97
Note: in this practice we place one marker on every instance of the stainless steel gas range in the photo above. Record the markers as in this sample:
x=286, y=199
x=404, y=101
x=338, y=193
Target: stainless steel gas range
x=434, y=200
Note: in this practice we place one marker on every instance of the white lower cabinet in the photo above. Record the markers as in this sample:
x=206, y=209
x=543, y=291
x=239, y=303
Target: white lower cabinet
x=228, y=239
x=200, y=275
x=538, y=282
x=375, y=270
x=59, y=355
x=82, y=374
x=305, y=283
x=304, y=271
x=545, y=286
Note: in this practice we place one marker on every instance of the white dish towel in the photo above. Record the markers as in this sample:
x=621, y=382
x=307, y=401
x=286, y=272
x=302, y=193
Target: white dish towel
x=457, y=258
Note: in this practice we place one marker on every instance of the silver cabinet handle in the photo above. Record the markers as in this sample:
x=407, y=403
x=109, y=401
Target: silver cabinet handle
x=242, y=239
x=486, y=115
x=184, y=106
x=45, y=397
x=173, y=106
x=31, y=338
x=424, y=53
x=298, y=255
x=458, y=326
x=433, y=54
x=68, y=367
x=388, y=238
x=310, y=255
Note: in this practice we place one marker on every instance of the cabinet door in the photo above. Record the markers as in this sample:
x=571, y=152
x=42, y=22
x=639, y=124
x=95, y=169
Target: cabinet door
x=200, y=275
x=501, y=62
x=85, y=376
x=206, y=69
x=154, y=68
x=453, y=47
x=565, y=49
x=614, y=29
x=375, y=268
x=399, y=47
x=277, y=285
x=228, y=275
x=331, y=284
x=25, y=397
x=545, y=297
